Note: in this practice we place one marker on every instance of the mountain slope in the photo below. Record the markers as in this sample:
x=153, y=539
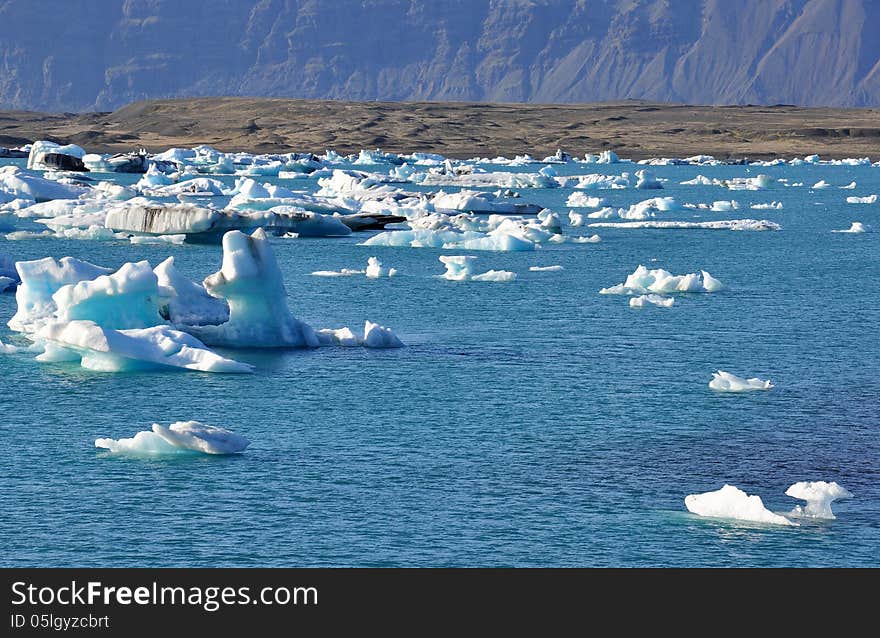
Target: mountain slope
x=75, y=55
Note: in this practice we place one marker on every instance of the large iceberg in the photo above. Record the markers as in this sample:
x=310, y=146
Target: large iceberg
x=108, y=350
x=819, y=495
x=726, y=382
x=250, y=282
x=185, y=301
x=178, y=438
x=731, y=502
x=40, y=280
x=643, y=281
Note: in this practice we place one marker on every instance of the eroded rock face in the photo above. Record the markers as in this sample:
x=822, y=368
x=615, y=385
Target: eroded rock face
x=103, y=55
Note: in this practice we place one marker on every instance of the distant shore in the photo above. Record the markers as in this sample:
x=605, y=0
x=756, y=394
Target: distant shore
x=634, y=129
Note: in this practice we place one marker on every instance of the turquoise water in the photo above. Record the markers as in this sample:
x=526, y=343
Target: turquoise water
x=530, y=423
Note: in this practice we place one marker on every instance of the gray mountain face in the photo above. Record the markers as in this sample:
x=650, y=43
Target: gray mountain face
x=79, y=55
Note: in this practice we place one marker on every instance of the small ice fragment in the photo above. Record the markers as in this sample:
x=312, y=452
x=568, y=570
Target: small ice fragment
x=726, y=382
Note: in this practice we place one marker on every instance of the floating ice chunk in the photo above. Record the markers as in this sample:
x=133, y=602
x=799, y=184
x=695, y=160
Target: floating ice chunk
x=658, y=300
x=819, y=495
x=591, y=239
x=176, y=240
x=8, y=271
x=545, y=268
x=92, y=233
x=724, y=206
x=345, y=272
x=41, y=148
x=856, y=227
x=580, y=200
x=869, y=199
x=339, y=337
x=768, y=206
x=376, y=270
x=7, y=283
x=726, y=382
x=127, y=298
x=21, y=235
x=250, y=281
x=726, y=224
x=28, y=185
x=495, y=275
x=821, y=184
x=108, y=350
x=460, y=268
x=376, y=336
x=187, y=302
x=649, y=208
x=643, y=281
x=731, y=502
x=40, y=280
x=849, y=186
x=647, y=180
x=576, y=219
x=608, y=157
x=180, y=437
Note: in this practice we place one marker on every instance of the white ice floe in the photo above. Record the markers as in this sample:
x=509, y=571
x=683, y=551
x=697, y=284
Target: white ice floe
x=726, y=224
x=338, y=337
x=849, y=186
x=821, y=184
x=732, y=503
x=376, y=336
x=647, y=180
x=657, y=300
x=580, y=200
x=644, y=281
x=819, y=495
x=869, y=199
x=554, y=268
x=27, y=185
x=186, y=302
x=108, y=350
x=498, y=240
x=375, y=269
x=250, y=282
x=40, y=280
x=856, y=227
x=774, y=205
x=726, y=382
x=177, y=438
x=344, y=272
x=460, y=268
x=41, y=148
x=176, y=240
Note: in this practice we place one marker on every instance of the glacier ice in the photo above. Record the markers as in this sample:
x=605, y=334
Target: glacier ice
x=177, y=438
x=375, y=270
x=127, y=298
x=376, y=336
x=726, y=224
x=40, y=280
x=251, y=283
x=819, y=495
x=643, y=281
x=108, y=350
x=186, y=302
x=580, y=200
x=460, y=268
x=732, y=503
x=869, y=199
x=657, y=300
x=28, y=185
x=726, y=382
x=553, y=268
x=855, y=227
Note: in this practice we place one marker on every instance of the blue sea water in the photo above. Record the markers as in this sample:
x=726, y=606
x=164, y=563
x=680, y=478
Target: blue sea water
x=529, y=423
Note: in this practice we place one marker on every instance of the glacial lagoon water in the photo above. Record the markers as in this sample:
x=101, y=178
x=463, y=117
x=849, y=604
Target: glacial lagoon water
x=526, y=423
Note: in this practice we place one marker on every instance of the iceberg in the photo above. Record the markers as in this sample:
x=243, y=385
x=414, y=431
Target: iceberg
x=821, y=184
x=460, y=268
x=726, y=382
x=186, y=302
x=545, y=268
x=375, y=270
x=657, y=300
x=869, y=199
x=855, y=227
x=580, y=200
x=181, y=437
x=40, y=280
x=727, y=224
x=108, y=350
x=376, y=336
x=643, y=281
x=732, y=503
x=343, y=337
x=28, y=185
x=767, y=206
x=819, y=495
x=647, y=180
x=47, y=155
x=127, y=298
x=250, y=282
